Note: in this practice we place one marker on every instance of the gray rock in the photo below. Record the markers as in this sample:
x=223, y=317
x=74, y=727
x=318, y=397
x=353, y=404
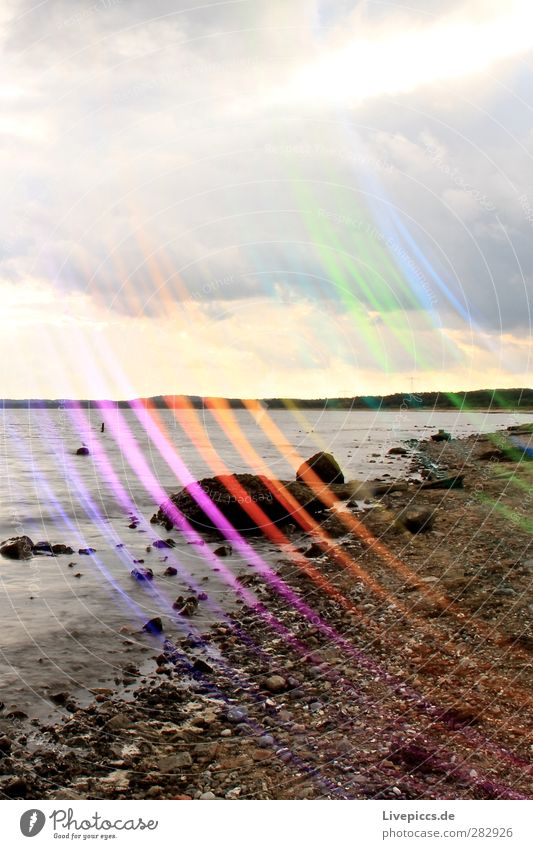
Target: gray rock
x=236, y=715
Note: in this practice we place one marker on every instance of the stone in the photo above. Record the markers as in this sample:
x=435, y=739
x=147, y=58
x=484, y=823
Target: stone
x=275, y=684
x=314, y=551
x=60, y=548
x=201, y=666
x=153, y=626
x=236, y=715
x=87, y=551
x=455, y=482
x=173, y=763
x=397, y=451
x=170, y=571
x=42, y=547
x=324, y=466
x=279, y=501
x=223, y=551
x=118, y=780
x=207, y=796
x=416, y=521
x=186, y=606
x=163, y=543
x=142, y=574
x=119, y=722
x=17, y=548
x=83, y=451
x=441, y=436
x=495, y=455
x=59, y=698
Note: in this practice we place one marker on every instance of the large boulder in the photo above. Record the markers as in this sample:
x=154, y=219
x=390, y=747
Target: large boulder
x=17, y=548
x=324, y=466
x=238, y=498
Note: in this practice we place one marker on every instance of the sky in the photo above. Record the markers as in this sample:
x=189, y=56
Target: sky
x=261, y=198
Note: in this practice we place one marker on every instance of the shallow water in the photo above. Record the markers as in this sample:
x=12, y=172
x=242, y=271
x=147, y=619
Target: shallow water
x=62, y=632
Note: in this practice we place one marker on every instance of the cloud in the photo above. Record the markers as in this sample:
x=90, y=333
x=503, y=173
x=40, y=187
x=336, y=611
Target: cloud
x=337, y=157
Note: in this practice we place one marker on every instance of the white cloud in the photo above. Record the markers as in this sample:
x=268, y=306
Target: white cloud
x=154, y=161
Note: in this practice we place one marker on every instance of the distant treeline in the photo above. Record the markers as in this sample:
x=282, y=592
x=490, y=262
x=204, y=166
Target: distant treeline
x=486, y=399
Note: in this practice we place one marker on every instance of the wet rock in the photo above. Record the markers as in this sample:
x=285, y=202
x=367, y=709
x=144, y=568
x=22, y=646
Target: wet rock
x=324, y=466
x=164, y=543
x=171, y=571
x=223, y=551
x=153, y=626
x=42, y=547
x=60, y=548
x=280, y=502
x=59, y=698
x=17, y=548
x=142, y=574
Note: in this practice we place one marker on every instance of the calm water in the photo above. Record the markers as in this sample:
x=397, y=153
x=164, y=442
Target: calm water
x=65, y=632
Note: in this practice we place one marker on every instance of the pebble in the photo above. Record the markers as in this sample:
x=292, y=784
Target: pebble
x=236, y=714
x=275, y=684
x=209, y=795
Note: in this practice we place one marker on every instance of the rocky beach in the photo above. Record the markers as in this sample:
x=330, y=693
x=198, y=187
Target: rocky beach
x=385, y=653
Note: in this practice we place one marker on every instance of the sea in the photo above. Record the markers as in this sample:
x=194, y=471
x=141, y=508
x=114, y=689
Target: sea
x=73, y=622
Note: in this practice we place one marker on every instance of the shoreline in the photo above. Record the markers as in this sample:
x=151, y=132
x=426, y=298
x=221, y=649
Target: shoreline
x=293, y=707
